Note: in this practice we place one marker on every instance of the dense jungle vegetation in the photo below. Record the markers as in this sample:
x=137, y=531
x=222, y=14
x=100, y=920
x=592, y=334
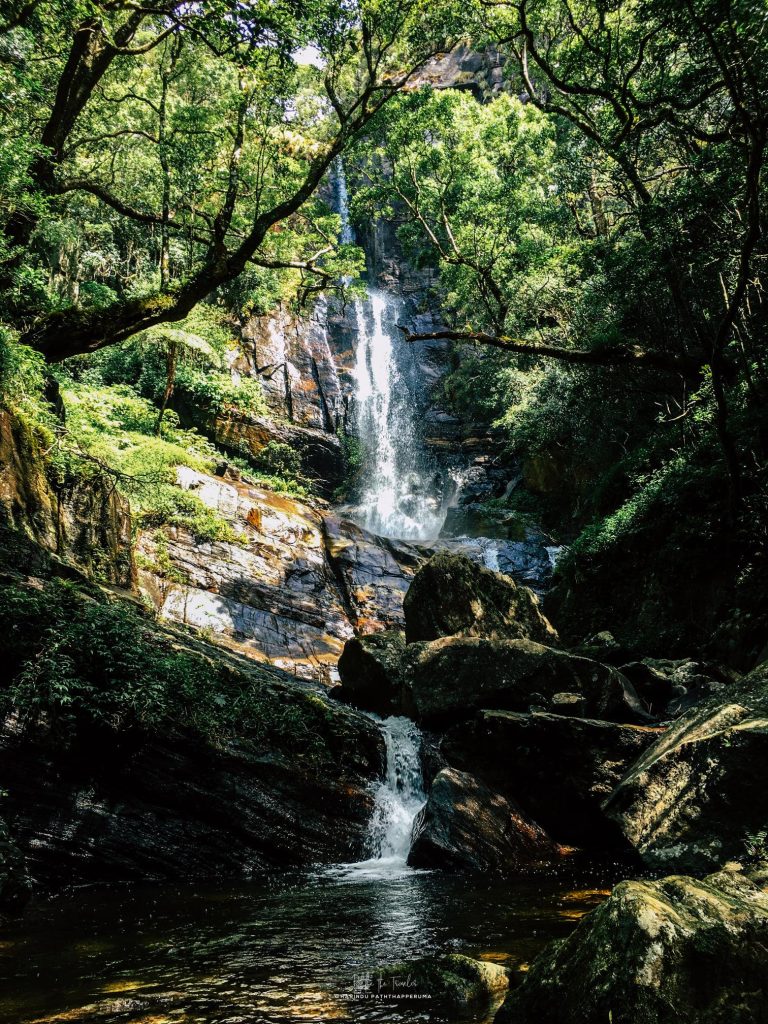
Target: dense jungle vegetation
x=597, y=227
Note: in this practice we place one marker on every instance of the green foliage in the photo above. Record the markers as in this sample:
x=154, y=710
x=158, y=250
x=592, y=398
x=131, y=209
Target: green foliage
x=161, y=564
x=115, y=427
x=353, y=456
x=79, y=657
x=756, y=845
x=22, y=376
x=217, y=393
x=279, y=459
x=204, y=340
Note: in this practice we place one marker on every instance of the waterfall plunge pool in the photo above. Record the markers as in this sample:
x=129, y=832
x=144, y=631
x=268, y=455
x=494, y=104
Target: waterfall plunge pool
x=284, y=948
x=287, y=948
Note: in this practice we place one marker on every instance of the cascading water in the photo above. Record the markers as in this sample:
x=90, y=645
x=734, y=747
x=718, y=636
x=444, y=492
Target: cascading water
x=401, y=495
x=399, y=798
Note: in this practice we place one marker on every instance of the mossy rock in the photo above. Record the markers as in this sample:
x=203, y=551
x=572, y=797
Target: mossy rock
x=452, y=596
x=371, y=672
x=676, y=951
x=452, y=981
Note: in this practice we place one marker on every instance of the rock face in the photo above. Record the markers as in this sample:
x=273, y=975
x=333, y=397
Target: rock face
x=677, y=951
x=453, y=677
x=82, y=521
x=465, y=826
x=272, y=595
x=452, y=596
x=294, y=586
x=371, y=672
x=559, y=769
x=454, y=982
x=693, y=798
x=300, y=365
x=374, y=573
x=89, y=803
x=320, y=452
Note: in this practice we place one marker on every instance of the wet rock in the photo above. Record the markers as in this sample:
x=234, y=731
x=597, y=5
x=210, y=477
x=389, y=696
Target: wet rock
x=449, y=679
x=300, y=366
x=142, y=1008
x=690, y=802
x=465, y=826
x=669, y=688
x=559, y=769
x=15, y=883
x=676, y=951
x=373, y=572
x=270, y=594
x=370, y=668
x=453, y=982
x=452, y=596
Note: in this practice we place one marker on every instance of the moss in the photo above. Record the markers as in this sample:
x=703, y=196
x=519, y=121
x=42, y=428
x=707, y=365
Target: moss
x=161, y=564
x=455, y=981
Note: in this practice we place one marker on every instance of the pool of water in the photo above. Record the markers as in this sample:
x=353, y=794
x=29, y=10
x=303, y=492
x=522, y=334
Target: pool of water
x=282, y=949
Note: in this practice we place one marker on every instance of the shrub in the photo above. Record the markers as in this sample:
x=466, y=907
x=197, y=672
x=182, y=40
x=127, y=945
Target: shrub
x=279, y=459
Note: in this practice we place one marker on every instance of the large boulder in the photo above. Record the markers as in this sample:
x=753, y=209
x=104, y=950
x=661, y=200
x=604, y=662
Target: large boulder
x=694, y=797
x=370, y=668
x=452, y=982
x=677, y=951
x=669, y=688
x=465, y=826
x=449, y=679
x=559, y=769
x=452, y=596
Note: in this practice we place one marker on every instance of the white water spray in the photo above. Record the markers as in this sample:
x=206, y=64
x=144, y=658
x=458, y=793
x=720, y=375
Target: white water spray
x=400, y=497
x=399, y=798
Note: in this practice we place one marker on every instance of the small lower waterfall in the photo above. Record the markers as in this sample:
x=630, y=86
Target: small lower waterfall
x=399, y=798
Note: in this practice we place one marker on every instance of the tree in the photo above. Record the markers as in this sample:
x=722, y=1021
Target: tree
x=176, y=346
x=664, y=106
x=212, y=96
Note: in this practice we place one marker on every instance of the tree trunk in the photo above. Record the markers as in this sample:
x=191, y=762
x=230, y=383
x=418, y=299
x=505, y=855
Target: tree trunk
x=171, y=362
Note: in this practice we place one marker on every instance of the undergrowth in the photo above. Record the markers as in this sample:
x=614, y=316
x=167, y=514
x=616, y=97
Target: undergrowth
x=78, y=657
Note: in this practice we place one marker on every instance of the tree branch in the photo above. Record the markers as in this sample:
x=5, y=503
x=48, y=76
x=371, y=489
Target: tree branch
x=614, y=355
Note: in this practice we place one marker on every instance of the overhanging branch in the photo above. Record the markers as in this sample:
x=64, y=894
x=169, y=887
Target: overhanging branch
x=614, y=355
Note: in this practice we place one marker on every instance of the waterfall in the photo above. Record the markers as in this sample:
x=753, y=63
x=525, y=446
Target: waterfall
x=398, y=799
x=401, y=494
x=400, y=795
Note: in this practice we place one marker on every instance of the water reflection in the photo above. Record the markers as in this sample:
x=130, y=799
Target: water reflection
x=284, y=949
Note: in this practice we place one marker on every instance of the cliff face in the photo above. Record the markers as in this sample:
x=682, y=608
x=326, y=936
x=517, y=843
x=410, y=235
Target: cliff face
x=297, y=583
x=85, y=522
x=88, y=796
